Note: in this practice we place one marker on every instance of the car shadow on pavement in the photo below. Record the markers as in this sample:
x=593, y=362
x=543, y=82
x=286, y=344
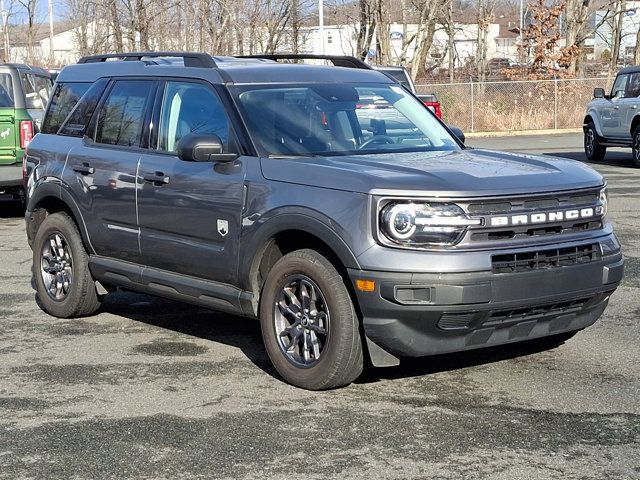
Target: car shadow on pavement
x=614, y=159
x=244, y=334
x=417, y=367
x=235, y=331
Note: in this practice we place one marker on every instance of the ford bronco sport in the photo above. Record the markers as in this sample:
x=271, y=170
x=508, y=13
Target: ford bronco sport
x=24, y=93
x=614, y=120
x=260, y=189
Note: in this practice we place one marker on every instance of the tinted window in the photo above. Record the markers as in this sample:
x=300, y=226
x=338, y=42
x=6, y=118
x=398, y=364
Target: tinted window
x=330, y=119
x=633, y=87
x=190, y=108
x=121, y=119
x=6, y=90
x=36, y=89
x=619, y=85
x=65, y=97
x=76, y=123
x=400, y=76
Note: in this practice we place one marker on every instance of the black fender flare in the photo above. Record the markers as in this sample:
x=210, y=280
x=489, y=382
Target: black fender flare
x=53, y=188
x=306, y=220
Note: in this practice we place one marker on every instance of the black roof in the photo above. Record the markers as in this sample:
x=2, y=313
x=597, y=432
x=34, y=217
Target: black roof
x=630, y=69
x=219, y=69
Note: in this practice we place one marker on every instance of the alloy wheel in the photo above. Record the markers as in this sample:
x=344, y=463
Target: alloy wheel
x=56, y=267
x=301, y=317
x=589, y=141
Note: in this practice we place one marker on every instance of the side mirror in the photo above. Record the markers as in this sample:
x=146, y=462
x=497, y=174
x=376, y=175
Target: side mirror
x=598, y=93
x=202, y=147
x=458, y=133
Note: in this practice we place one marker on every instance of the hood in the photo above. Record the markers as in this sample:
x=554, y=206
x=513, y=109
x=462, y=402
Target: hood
x=467, y=173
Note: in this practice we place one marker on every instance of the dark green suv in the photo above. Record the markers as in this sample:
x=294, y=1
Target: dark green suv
x=24, y=93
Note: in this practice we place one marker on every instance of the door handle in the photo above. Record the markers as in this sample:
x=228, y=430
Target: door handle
x=617, y=107
x=634, y=107
x=157, y=178
x=84, y=169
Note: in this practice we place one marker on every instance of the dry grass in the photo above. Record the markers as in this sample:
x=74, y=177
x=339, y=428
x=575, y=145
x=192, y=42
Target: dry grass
x=505, y=106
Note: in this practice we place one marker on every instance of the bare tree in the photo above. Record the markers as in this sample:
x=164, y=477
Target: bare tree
x=30, y=7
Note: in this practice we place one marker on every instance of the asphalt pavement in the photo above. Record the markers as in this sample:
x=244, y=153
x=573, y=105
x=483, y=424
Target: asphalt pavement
x=151, y=388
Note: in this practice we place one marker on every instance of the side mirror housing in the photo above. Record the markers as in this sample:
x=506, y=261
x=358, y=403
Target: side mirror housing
x=598, y=93
x=458, y=133
x=202, y=147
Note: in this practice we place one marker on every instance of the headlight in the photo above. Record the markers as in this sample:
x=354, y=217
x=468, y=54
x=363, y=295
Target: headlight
x=422, y=224
x=604, y=200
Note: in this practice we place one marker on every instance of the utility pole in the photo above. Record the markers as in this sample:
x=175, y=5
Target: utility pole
x=5, y=32
x=321, y=24
x=51, y=55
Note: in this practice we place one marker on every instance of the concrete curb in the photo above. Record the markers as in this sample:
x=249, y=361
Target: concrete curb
x=517, y=133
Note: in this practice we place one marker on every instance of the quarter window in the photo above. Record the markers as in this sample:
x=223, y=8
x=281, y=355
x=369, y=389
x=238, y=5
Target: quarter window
x=121, y=118
x=36, y=89
x=65, y=97
x=190, y=108
x=76, y=123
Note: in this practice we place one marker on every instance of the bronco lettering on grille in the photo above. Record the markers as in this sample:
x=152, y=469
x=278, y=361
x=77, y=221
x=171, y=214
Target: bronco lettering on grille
x=546, y=217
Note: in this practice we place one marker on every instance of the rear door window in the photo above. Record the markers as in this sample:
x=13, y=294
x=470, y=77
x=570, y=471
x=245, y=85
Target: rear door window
x=122, y=116
x=633, y=87
x=6, y=90
x=65, y=97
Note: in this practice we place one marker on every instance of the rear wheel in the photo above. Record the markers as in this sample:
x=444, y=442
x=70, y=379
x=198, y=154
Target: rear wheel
x=592, y=148
x=309, y=325
x=636, y=147
x=64, y=286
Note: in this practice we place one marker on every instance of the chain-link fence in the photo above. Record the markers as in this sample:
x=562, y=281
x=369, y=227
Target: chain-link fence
x=515, y=105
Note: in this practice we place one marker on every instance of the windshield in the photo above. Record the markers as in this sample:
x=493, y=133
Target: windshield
x=339, y=119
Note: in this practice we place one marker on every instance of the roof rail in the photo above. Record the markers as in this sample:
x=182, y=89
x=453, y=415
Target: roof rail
x=337, y=60
x=199, y=60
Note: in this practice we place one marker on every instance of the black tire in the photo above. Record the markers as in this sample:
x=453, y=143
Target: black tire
x=67, y=263
x=339, y=360
x=635, y=150
x=592, y=148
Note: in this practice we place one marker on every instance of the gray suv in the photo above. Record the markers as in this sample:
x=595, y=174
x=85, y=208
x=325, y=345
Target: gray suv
x=614, y=120
x=271, y=191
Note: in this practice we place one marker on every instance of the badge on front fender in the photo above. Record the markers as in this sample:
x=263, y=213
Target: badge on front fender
x=223, y=227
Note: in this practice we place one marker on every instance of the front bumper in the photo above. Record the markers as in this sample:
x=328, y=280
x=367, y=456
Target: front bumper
x=464, y=311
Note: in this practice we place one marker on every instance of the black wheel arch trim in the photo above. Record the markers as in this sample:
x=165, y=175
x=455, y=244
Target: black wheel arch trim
x=280, y=220
x=56, y=190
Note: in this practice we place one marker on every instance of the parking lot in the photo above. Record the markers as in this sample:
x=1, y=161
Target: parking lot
x=151, y=388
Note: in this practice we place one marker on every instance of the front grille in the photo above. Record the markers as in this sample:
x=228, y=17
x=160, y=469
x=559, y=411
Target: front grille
x=528, y=231
x=530, y=205
x=534, y=202
x=543, y=259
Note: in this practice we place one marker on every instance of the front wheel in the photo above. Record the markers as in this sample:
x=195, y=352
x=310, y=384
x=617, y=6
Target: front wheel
x=636, y=147
x=309, y=325
x=592, y=148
